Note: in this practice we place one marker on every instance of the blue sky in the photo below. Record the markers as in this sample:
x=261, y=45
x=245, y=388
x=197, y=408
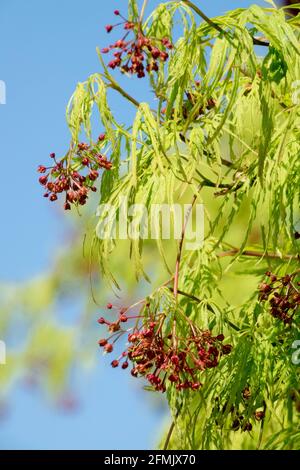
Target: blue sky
x=45, y=49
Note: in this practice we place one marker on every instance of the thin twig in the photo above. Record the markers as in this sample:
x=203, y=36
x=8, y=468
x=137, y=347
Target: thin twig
x=170, y=432
x=204, y=17
x=190, y=296
x=124, y=93
x=114, y=84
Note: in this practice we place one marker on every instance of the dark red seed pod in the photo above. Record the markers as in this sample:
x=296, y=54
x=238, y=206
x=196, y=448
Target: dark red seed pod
x=235, y=425
x=196, y=386
x=247, y=427
x=167, y=43
x=173, y=378
x=226, y=349
x=115, y=363
x=164, y=56
x=101, y=321
x=109, y=28
x=175, y=359
x=119, y=44
x=155, y=52
x=43, y=180
x=259, y=415
x=128, y=25
x=41, y=169
x=125, y=365
x=102, y=342
x=286, y=280
x=93, y=175
x=265, y=288
x=246, y=393
x=53, y=197
x=132, y=338
x=52, y=155
x=109, y=306
x=108, y=348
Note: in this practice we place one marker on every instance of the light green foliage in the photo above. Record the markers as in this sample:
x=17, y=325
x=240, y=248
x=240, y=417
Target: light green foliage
x=244, y=153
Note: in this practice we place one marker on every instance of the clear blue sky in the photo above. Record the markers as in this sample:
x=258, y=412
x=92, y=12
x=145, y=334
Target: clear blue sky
x=46, y=47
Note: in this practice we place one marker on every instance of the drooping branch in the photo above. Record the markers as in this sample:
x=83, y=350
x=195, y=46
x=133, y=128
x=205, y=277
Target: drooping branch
x=256, y=41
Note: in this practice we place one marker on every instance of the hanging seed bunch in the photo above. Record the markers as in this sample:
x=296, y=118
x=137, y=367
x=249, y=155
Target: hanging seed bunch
x=282, y=294
x=74, y=179
x=155, y=352
x=138, y=55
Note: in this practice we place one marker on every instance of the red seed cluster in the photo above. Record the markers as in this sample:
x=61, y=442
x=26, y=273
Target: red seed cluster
x=137, y=55
x=158, y=356
x=75, y=179
x=282, y=294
